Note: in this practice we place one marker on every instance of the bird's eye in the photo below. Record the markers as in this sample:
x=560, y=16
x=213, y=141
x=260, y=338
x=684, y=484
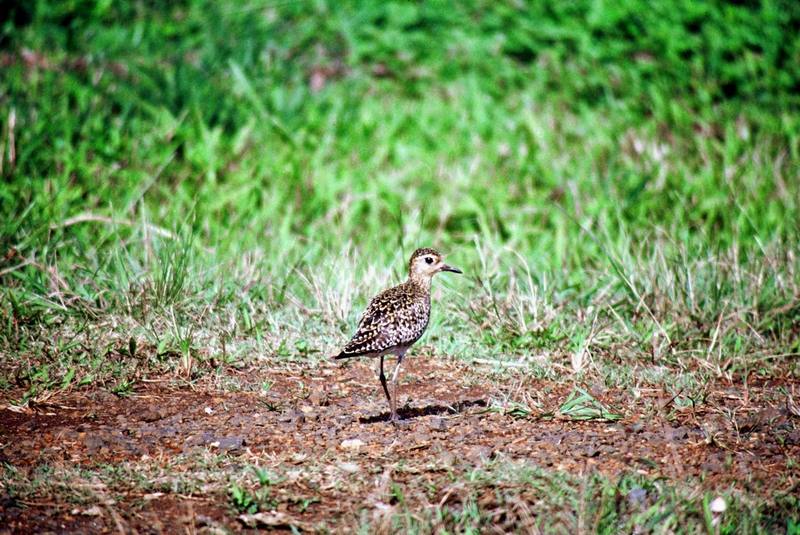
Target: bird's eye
x=428, y=260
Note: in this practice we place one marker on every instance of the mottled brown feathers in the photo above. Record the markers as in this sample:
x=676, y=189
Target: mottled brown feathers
x=397, y=317
x=394, y=318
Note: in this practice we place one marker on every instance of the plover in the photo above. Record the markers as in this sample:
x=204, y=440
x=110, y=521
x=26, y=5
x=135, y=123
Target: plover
x=397, y=317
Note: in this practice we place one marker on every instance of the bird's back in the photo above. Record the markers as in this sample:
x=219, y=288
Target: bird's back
x=395, y=318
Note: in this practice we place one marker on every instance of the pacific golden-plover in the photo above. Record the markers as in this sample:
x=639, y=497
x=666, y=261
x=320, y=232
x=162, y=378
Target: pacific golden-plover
x=397, y=317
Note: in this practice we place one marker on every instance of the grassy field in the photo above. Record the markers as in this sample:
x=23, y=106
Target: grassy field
x=208, y=192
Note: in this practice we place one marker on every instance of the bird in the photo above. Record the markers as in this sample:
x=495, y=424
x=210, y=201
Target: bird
x=396, y=318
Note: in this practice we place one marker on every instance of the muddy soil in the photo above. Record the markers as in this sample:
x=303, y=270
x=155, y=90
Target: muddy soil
x=734, y=438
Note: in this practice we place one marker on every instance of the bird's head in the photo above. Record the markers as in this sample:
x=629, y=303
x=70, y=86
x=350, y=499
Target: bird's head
x=425, y=263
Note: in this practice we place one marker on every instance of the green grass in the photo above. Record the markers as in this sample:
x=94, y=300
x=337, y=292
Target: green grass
x=498, y=495
x=503, y=496
x=609, y=195
x=200, y=187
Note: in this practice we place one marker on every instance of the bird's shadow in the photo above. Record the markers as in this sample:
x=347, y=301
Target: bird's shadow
x=409, y=413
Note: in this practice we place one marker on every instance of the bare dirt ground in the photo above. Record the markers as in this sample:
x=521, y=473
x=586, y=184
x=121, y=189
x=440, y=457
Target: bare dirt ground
x=326, y=430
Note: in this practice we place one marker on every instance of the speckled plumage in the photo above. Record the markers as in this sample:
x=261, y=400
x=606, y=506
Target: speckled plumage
x=397, y=317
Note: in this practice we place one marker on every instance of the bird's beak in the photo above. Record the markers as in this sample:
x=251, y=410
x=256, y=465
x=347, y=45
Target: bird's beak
x=445, y=267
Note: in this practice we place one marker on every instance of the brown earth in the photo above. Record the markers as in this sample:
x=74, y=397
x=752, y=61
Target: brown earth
x=336, y=416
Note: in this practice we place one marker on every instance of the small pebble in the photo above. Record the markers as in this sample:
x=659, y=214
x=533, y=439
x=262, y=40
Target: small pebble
x=352, y=444
x=718, y=505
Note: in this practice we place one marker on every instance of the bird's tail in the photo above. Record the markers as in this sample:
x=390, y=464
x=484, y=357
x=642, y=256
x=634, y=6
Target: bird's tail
x=346, y=355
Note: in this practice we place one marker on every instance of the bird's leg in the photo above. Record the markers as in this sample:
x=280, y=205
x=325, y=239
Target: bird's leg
x=395, y=374
x=383, y=384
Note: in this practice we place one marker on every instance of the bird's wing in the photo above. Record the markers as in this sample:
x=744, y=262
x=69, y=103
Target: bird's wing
x=389, y=321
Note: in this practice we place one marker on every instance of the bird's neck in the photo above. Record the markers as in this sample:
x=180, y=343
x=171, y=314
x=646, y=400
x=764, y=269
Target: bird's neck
x=422, y=282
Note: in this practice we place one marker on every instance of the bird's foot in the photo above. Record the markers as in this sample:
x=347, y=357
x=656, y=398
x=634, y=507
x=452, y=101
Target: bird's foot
x=399, y=423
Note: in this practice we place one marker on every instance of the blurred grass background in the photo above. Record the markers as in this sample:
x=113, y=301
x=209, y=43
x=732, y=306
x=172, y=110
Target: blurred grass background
x=200, y=184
